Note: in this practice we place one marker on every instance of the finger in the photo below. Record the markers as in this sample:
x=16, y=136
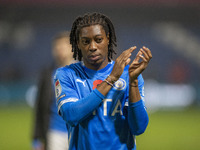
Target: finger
x=147, y=51
x=137, y=58
x=132, y=48
x=143, y=58
x=126, y=54
x=122, y=55
x=127, y=61
x=129, y=51
x=145, y=54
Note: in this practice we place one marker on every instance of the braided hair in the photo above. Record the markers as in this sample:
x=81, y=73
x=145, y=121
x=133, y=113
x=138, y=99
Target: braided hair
x=88, y=20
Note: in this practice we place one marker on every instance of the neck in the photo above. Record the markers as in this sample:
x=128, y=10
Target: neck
x=96, y=66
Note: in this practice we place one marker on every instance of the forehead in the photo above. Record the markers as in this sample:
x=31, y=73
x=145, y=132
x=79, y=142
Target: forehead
x=92, y=30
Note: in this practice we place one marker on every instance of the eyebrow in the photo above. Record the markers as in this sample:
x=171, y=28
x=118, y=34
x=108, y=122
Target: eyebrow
x=95, y=36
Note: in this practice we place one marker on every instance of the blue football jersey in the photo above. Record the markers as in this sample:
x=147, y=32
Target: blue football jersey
x=106, y=127
x=56, y=122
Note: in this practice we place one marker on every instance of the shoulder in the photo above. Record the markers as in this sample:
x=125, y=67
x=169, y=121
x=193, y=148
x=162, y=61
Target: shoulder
x=61, y=72
x=67, y=71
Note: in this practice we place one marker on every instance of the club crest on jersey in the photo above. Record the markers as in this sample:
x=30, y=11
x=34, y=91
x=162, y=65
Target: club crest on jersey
x=58, y=88
x=120, y=84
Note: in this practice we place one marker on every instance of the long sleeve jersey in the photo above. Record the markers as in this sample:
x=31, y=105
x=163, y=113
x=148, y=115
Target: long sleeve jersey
x=95, y=121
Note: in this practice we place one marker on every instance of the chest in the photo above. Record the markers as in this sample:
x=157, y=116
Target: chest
x=114, y=101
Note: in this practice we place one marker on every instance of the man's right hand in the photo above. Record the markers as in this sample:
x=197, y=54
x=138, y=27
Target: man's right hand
x=120, y=63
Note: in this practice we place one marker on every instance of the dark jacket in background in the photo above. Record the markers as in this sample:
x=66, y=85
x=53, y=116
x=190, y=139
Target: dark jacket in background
x=43, y=103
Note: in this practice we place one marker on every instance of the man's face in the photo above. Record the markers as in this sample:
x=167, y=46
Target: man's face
x=93, y=44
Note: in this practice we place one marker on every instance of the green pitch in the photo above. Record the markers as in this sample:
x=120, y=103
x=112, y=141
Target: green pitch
x=167, y=130
x=15, y=127
x=172, y=130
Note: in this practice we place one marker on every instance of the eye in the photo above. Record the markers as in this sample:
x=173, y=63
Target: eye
x=85, y=41
x=99, y=40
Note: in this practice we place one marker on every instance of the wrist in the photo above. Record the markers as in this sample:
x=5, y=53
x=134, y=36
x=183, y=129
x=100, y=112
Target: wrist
x=133, y=83
x=111, y=79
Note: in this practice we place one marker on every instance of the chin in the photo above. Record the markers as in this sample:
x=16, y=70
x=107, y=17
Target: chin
x=97, y=62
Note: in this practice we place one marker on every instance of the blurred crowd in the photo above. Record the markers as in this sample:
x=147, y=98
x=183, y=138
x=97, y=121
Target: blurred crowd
x=172, y=32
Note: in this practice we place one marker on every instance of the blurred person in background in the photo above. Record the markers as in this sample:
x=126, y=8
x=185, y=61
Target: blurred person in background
x=100, y=99
x=50, y=132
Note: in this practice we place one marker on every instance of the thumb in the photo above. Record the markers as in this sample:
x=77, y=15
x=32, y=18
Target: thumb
x=127, y=61
x=137, y=58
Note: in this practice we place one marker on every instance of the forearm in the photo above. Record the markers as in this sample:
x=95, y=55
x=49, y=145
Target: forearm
x=137, y=117
x=74, y=112
x=105, y=86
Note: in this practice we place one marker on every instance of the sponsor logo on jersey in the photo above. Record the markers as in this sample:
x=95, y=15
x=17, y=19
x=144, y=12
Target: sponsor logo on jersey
x=58, y=88
x=96, y=83
x=120, y=84
x=80, y=81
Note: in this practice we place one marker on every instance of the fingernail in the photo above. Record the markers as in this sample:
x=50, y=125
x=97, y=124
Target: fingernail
x=133, y=47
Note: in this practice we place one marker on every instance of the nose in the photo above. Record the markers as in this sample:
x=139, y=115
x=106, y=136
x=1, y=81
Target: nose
x=93, y=46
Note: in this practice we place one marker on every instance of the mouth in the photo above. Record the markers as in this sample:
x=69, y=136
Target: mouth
x=94, y=57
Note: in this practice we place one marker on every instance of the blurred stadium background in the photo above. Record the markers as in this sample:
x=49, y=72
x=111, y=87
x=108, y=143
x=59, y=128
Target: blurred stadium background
x=171, y=29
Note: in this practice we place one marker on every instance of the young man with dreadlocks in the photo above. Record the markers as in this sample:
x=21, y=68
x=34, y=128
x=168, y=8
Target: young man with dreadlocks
x=100, y=99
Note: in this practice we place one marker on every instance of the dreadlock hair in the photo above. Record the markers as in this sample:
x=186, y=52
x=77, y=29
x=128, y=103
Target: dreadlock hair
x=88, y=20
